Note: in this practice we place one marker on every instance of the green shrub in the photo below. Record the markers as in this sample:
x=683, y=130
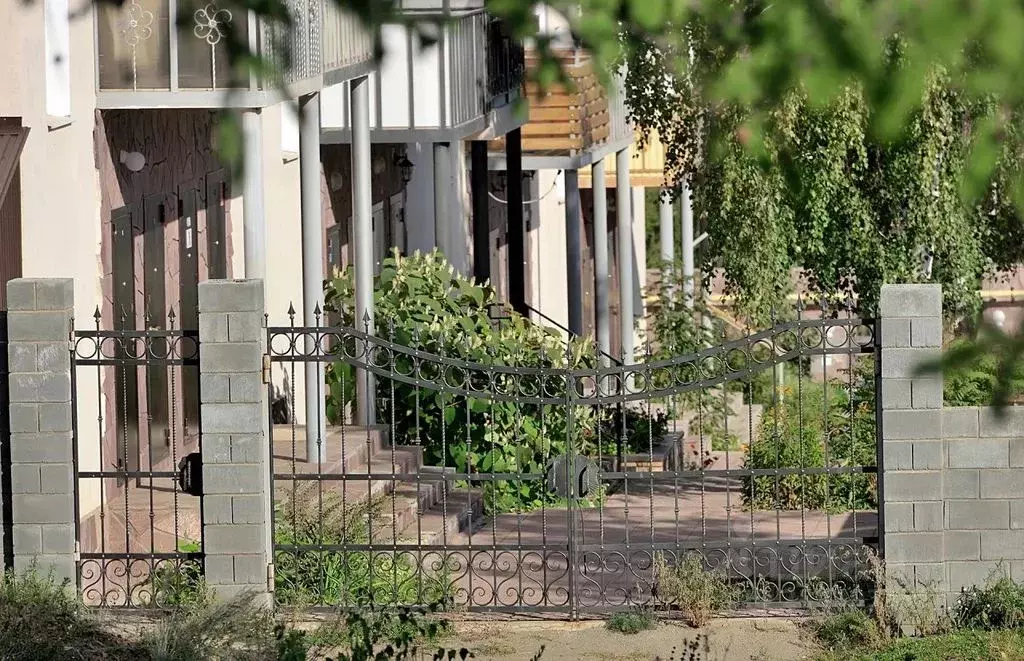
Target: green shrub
x=632, y=622
x=792, y=435
x=422, y=303
x=698, y=591
x=41, y=618
x=639, y=429
x=677, y=329
x=394, y=633
x=974, y=383
x=179, y=585
x=999, y=604
x=848, y=628
x=303, y=576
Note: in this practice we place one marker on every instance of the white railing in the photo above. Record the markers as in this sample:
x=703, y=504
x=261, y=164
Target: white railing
x=346, y=42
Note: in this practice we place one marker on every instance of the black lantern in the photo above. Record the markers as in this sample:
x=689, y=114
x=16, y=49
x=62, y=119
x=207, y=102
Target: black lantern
x=405, y=167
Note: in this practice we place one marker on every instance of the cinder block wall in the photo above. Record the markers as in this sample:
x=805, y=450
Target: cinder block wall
x=983, y=491
x=953, y=478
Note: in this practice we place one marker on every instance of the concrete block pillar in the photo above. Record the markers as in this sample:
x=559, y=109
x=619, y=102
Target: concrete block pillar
x=237, y=536
x=911, y=460
x=42, y=445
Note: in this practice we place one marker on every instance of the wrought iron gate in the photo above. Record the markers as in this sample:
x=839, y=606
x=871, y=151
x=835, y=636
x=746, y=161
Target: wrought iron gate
x=139, y=521
x=555, y=484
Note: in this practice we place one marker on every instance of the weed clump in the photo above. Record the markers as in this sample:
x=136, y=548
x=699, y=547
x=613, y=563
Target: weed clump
x=41, y=619
x=698, y=591
x=632, y=622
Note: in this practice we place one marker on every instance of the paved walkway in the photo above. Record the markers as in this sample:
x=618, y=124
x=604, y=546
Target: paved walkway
x=523, y=560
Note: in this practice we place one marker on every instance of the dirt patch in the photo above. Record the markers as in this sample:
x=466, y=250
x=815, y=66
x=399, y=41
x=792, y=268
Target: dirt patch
x=728, y=638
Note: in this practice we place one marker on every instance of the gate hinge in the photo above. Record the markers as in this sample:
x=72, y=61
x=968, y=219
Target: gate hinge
x=270, y=577
x=266, y=369
x=78, y=551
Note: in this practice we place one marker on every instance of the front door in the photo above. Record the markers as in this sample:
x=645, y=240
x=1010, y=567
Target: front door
x=163, y=245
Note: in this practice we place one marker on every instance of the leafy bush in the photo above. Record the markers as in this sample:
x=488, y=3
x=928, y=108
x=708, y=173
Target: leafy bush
x=422, y=303
x=975, y=380
x=394, y=633
x=677, y=330
x=339, y=577
x=179, y=585
x=848, y=628
x=698, y=591
x=999, y=604
x=792, y=434
x=633, y=621
x=42, y=619
x=639, y=430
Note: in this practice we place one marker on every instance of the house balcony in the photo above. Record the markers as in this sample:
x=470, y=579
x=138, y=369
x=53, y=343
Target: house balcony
x=462, y=83
x=577, y=124
x=170, y=53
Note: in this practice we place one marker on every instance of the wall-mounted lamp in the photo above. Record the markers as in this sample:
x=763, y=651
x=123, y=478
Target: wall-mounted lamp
x=132, y=160
x=405, y=167
x=998, y=318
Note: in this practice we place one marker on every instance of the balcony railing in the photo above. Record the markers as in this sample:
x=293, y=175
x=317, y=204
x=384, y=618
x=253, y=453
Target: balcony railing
x=449, y=83
x=506, y=65
x=177, y=45
x=346, y=42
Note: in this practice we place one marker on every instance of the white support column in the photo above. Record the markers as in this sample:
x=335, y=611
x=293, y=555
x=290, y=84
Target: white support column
x=666, y=229
x=689, y=287
x=624, y=231
x=254, y=221
x=362, y=219
x=312, y=269
x=442, y=184
x=602, y=274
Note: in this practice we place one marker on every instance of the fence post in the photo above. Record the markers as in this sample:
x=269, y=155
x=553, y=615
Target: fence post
x=41, y=439
x=912, y=447
x=237, y=540
x=6, y=547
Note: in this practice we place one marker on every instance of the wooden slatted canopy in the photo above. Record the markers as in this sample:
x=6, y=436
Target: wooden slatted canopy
x=564, y=120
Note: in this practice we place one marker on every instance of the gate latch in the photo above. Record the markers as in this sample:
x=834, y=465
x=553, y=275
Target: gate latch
x=190, y=474
x=584, y=481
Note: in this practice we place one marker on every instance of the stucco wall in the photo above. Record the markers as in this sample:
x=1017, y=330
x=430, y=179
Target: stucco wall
x=59, y=194
x=546, y=256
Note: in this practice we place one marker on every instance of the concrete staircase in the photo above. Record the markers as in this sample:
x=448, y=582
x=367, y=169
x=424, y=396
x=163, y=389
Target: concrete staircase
x=412, y=503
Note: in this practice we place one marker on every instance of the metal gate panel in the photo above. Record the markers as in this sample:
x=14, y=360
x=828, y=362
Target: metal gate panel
x=140, y=542
x=541, y=487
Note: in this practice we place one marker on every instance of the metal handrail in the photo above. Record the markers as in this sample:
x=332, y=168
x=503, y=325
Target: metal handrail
x=559, y=326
